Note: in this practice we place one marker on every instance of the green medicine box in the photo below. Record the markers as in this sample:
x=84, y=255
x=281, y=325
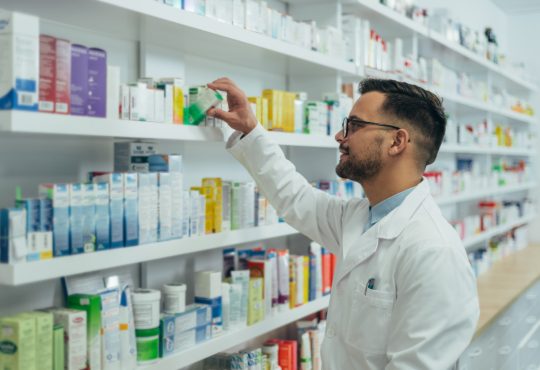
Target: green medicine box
x=44, y=334
x=92, y=305
x=17, y=343
x=58, y=347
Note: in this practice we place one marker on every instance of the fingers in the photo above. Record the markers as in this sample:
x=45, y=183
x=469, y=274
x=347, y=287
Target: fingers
x=228, y=117
x=225, y=84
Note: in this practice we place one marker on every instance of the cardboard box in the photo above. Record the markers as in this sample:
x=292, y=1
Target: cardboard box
x=63, y=77
x=102, y=219
x=116, y=206
x=58, y=347
x=75, y=338
x=79, y=80
x=44, y=338
x=18, y=338
x=131, y=209
x=13, y=247
x=133, y=156
x=164, y=206
x=91, y=304
x=113, y=92
x=47, y=73
x=19, y=81
x=97, y=82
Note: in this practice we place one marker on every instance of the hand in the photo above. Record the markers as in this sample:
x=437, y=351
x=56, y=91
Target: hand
x=240, y=116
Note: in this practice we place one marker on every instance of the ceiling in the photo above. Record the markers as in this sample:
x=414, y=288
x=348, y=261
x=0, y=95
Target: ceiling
x=518, y=6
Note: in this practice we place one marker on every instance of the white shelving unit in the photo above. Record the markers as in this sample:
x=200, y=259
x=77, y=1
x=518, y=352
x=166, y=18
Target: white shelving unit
x=510, y=151
x=27, y=273
x=158, y=35
x=443, y=201
x=401, y=25
x=501, y=229
x=475, y=104
x=237, y=337
x=463, y=102
x=215, y=32
x=380, y=14
x=32, y=272
x=477, y=59
x=17, y=122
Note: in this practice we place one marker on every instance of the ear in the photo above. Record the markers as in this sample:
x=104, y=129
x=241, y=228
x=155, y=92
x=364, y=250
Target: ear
x=401, y=139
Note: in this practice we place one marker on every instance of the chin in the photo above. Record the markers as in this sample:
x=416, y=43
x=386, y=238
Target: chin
x=340, y=172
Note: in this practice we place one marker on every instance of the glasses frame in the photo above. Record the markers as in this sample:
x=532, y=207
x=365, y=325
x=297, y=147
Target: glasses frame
x=347, y=121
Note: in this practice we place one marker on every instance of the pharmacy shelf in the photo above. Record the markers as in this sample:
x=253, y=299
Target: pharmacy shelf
x=389, y=22
x=20, y=122
x=461, y=101
x=477, y=59
x=469, y=149
x=392, y=24
x=484, y=194
x=56, y=124
x=485, y=236
x=475, y=104
x=205, y=34
x=31, y=272
x=237, y=337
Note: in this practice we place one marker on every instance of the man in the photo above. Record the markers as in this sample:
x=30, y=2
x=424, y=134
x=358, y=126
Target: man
x=404, y=295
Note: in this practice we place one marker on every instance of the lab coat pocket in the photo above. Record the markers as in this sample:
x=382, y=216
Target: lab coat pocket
x=369, y=321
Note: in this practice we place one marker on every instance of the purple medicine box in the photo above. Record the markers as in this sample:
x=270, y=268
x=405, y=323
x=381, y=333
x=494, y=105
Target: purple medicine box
x=97, y=82
x=79, y=79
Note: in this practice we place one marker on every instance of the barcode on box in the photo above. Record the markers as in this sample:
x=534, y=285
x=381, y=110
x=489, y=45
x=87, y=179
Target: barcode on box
x=46, y=106
x=61, y=108
x=26, y=99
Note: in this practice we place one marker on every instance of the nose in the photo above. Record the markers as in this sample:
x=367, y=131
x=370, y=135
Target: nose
x=339, y=136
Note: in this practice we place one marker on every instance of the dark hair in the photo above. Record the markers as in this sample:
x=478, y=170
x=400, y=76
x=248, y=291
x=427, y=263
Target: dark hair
x=420, y=108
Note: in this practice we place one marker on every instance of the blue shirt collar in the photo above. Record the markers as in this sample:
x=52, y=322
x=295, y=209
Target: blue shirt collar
x=381, y=209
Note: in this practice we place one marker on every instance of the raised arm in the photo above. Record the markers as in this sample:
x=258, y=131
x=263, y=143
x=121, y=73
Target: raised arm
x=311, y=211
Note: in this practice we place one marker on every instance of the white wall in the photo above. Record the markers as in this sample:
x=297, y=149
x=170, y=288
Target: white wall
x=522, y=32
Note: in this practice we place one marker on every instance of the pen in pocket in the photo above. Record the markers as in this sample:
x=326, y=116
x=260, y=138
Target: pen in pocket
x=370, y=285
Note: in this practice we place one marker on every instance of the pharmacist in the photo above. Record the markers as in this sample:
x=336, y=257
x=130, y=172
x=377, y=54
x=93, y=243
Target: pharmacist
x=404, y=295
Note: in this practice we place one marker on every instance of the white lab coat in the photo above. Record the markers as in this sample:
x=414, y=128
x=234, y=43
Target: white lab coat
x=423, y=311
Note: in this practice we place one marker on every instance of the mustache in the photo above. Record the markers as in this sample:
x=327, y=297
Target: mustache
x=342, y=148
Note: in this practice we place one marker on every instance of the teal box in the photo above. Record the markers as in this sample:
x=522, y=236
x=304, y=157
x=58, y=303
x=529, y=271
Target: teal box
x=165, y=163
x=58, y=194
x=177, y=342
x=102, y=219
x=194, y=316
x=131, y=209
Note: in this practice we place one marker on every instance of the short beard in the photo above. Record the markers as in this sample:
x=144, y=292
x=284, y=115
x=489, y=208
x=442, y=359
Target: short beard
x=359, y=170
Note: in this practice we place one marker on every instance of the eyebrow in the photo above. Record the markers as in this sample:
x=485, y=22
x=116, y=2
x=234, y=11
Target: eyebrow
x=356, y=117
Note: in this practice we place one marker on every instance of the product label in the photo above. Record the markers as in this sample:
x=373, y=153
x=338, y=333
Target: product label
x=131, y=216
x=97, y=82
x=146, y=315
x=19, y=68
x=147, y=349
x=79, y=80
x=9, y=348
x=102, y=216
x=47, y=73
x=63, y=77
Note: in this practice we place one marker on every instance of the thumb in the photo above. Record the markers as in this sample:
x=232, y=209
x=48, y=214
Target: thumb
x=228, y=117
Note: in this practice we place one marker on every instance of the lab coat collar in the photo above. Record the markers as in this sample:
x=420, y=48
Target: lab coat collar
x=388, y=228
x=393, y=224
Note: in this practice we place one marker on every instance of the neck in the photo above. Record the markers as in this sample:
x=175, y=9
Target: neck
x=388, y=183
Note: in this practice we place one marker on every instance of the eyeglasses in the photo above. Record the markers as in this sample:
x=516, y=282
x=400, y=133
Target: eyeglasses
x=348, y=122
